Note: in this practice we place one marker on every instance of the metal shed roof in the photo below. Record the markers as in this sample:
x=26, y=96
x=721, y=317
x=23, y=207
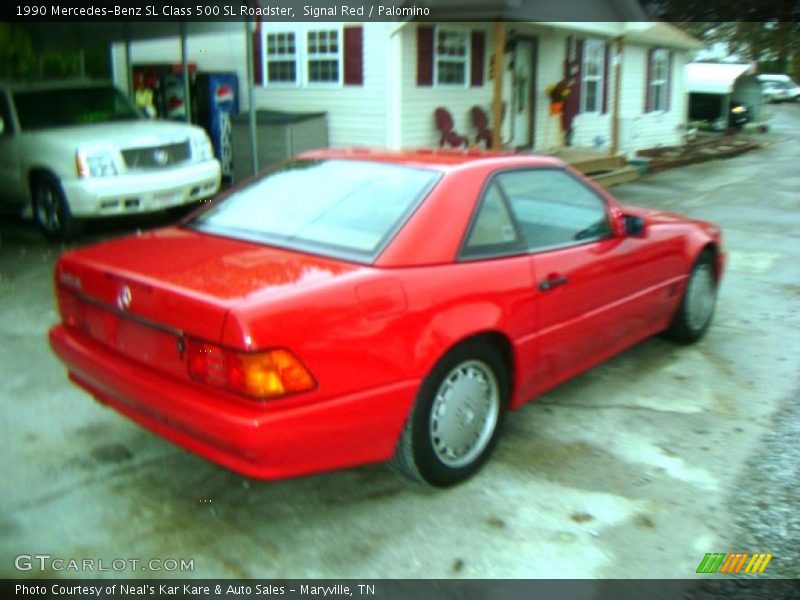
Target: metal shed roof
x=714, y=78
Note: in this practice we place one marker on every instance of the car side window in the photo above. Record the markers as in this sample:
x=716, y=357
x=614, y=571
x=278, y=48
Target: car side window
x=493, y=232
x=553, y=208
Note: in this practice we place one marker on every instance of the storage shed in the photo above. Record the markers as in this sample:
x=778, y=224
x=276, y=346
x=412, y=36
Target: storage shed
x=279, y=135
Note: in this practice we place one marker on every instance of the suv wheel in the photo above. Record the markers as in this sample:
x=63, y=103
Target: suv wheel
x=50, y=209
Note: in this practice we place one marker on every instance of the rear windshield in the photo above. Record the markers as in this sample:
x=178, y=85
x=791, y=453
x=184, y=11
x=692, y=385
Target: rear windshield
x=340, y=208
x=44, y=109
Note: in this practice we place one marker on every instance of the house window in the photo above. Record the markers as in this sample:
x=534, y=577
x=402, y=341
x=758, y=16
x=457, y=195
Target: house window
x=594, y=57
x=659, y=80
x=451, y=57
x=323, y=56
x=311, y=57
x=281, y=58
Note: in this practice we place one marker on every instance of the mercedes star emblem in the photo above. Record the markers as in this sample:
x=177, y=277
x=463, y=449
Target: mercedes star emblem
x=124, y=298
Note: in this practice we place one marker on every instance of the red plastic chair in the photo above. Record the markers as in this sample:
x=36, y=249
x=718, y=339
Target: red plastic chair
x=481, y=122
x=445, y=124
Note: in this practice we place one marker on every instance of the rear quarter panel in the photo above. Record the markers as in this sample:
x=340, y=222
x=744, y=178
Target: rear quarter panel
x=380, y=326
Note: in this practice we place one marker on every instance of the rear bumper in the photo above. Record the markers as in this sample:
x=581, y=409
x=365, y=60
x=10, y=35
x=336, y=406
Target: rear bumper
x=142, y=192
x=271, y=441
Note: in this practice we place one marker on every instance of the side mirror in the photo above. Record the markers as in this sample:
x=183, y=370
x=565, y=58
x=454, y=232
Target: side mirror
x=2, y=126
x=634, y=226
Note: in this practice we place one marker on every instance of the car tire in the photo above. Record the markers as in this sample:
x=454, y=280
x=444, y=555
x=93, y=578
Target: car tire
x=457, y=417
x=696, y=310
x=51, y=210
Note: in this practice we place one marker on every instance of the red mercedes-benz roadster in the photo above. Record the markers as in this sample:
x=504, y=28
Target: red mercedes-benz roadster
x=353, y=306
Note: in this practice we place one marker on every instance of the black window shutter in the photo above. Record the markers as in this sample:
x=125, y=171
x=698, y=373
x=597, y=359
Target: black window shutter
x=668, y=87
x=477, y=58
x=648, y=89
x=354, y=55
x=579, y=45
x=424, y=55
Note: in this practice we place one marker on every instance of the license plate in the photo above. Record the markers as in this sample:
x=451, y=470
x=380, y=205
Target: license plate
x=166, y=198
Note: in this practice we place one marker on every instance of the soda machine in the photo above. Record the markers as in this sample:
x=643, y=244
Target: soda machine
x=215, y=99
x=159, y=90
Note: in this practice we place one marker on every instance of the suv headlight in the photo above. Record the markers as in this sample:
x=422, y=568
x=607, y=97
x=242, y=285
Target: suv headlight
x=202, y=149
x=95, y=163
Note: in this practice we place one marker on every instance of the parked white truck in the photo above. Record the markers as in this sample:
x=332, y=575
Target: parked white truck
x=71, y=151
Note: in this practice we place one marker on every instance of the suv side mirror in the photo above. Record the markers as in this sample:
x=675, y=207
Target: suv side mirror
x=634, y=226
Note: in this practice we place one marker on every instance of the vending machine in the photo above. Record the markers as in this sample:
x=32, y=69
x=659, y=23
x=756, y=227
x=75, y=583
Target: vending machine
x=215, y=99
x=159, y=89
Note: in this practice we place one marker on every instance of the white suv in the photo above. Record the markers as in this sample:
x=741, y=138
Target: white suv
x=779, y=88
x=76, y=150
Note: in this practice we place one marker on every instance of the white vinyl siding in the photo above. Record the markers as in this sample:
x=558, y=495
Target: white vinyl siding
x=417, y=103
x=590, y=129
x=356, y=114
x=640, y=129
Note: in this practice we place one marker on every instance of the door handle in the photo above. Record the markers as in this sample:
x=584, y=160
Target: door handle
x=552, y=282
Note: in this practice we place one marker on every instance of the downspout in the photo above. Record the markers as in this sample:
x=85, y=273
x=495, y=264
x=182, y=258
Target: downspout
x=617, y=62
x=248, y=37
x=185, y=66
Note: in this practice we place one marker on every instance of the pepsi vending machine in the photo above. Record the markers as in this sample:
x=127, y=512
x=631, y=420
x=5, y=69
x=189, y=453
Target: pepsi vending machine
x=215, y=101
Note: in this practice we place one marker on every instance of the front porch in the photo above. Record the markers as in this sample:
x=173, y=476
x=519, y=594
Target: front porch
x=600, y=166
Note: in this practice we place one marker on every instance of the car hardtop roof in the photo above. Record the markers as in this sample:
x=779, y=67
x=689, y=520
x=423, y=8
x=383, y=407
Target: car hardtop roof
x=35, y=85
x=436, y=158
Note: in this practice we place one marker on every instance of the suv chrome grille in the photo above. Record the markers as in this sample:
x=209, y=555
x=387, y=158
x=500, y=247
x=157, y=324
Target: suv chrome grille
x=157, y=157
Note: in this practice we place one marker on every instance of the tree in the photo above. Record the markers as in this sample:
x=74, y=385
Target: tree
x=764, y=31
x=20, y=60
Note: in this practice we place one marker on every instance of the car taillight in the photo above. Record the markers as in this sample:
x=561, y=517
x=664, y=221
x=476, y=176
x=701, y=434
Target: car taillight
x=266, y=374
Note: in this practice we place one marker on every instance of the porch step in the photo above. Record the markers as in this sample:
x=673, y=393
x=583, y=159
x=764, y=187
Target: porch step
x=589, y=165
x=616, y=176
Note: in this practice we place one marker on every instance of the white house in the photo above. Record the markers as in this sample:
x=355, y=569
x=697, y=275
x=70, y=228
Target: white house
x=379, y=82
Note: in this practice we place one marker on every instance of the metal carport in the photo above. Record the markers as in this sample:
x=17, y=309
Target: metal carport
x=55, y=35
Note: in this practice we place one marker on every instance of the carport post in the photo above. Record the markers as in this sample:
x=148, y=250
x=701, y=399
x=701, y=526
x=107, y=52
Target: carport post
x=128, y=66
x=726, y=111
x=248, y=36
x=81, y=63
x=185, y=66
x=497, y=90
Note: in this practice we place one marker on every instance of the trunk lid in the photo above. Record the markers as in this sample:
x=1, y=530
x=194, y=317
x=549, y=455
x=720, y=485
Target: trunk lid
x=144, y=295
